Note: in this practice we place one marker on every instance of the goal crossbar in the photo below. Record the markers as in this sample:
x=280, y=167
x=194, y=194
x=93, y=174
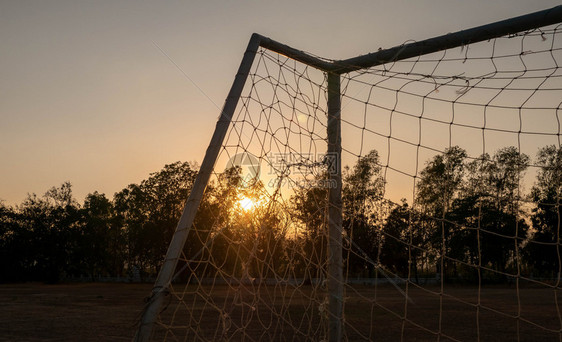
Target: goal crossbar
x=447, y=41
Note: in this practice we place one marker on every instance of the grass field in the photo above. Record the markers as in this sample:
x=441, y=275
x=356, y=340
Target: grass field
x=100, y=311
x=70, y=312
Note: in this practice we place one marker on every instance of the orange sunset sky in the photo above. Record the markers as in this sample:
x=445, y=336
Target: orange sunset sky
x=87, y=96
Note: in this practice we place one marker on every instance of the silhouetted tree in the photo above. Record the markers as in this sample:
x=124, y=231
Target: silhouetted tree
x=149, y=213
x=310, y=208
x=52, y=222
x=100, y=244
x=439, y=185
x=363, y=187
x=544, y=251
x=16, y=258
x=487, y=210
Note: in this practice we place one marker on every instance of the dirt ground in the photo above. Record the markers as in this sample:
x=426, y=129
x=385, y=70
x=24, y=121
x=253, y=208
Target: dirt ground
x=108, y=312
x=70, y=312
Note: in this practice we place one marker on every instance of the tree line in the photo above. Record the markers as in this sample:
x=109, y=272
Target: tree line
x=469, y=220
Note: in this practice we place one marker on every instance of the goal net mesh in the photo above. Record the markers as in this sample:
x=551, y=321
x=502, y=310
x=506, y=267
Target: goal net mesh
x=452, y=170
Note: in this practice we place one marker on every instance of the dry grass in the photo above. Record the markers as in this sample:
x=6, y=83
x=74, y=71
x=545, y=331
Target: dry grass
x=70, y=312
x=94, y=312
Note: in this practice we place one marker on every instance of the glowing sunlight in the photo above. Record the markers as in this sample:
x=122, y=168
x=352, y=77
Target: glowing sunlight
x=247, y=204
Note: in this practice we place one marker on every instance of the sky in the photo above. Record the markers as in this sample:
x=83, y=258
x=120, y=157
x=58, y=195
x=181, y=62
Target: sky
x=103, y=93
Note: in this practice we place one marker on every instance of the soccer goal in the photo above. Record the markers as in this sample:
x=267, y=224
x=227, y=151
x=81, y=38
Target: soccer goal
x=413, y=193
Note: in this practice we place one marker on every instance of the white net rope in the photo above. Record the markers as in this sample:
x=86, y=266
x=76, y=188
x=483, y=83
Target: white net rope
x=451, y=203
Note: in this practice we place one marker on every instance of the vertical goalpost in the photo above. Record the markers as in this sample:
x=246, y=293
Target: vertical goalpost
x=335, y=230
x=333, y=70
x=174, y=250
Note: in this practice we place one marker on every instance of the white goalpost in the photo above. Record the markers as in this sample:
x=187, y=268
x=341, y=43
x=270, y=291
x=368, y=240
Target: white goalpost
x=410, y=193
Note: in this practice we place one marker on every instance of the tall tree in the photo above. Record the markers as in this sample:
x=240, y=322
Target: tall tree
x=363, y=187
x=439, y=185
x=100, y=245
x=16, y=258
x=310, y=208
x=487, y=210
x=53, y=222
x=440, y=181
x=404, y=240
x=544, y=248
x=149, y=212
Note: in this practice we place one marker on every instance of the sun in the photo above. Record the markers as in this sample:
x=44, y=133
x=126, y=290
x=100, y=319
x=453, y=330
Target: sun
x=247, y=204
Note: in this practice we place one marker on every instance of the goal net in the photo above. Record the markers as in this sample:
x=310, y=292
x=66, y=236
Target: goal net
x=451, y=178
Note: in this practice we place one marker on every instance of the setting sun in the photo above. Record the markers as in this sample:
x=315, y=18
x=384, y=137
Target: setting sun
x=247, y=204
